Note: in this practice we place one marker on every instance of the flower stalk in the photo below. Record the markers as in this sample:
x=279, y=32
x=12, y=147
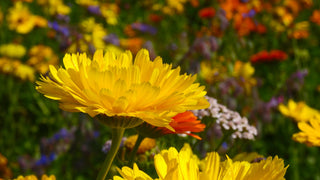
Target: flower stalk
x=117, y=134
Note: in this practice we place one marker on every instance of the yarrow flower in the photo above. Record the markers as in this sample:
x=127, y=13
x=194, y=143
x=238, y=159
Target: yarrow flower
x=228, y=120
x=171, y=164
x=115, y=86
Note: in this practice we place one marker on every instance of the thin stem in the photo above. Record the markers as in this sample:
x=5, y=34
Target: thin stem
x=117, y=134
x=135, y=149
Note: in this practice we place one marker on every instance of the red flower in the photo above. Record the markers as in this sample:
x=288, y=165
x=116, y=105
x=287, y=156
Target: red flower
x=155, y=18
x=264, y=56
x=207, y=13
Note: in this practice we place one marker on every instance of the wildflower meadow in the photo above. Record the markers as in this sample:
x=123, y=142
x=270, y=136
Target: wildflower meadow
x=159, y=89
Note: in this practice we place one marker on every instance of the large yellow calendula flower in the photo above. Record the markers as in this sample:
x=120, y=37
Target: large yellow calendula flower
x=184, y=165
x=114, y=86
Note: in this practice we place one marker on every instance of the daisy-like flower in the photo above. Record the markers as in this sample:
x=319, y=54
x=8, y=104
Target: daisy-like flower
x=182, y=123
x=113, y=86
x=171, y=164
x=33, y=177
x=299, y=111
x=310, y=132
x=132, y=174
x=21, y=20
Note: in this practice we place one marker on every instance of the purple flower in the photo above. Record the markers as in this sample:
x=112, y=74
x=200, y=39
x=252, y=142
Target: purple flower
x=112, y=38
x=94, y=10
x=145, y=28
x=250, y=14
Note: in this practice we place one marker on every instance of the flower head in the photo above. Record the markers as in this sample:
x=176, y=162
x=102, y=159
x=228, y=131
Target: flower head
x=171, y=164
x=310, y=132
x=299, y=111
x=115, y=86
x=33, y=177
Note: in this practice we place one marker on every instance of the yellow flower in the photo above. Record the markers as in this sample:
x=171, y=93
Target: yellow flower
x=184, y=165
x=270, y=168
x=20, y=19
x=110, y=12
x=25, y=72
x=132, y=174
x=298, y=111
x=12, y=50
x=146, y=145
x=55, y=7
x=244, y=72
x=115, y=86
x=33, y=177
x=310, y=132
x=41, y=57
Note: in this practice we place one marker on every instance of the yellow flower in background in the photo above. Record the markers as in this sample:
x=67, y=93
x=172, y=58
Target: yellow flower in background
x=21, y=20
x=298, y=111
x=112, y=85
x=33, y=177
x=25, y=72
x=1, y=17
x=184, y=165
x=12, y=50
x=94, y=33
x=174, y=6
x=211, y=74
x=110, y=12
x=146, y=144
x=132, y=174
x=54, y=7
x=87, y=2
x=244, y=72
x=41, y=57
x=310, y=132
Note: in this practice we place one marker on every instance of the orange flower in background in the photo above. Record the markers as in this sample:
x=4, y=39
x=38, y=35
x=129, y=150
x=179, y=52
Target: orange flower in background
x=185, y=123
x=315, y=17
x=182, y=123
x=265, y=56
x=133, y=44
x=207, y=13
x=155, y=18
x=146, y=144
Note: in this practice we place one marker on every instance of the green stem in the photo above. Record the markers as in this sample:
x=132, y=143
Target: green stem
x=135, y=149
x=117, y=134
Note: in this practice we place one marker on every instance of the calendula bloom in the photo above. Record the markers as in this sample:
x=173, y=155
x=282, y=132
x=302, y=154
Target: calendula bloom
x=33, y=177
x=146, y=144
x=182, y=123
x=299, y=111
x=310, y=132
x=114, y=86
x=21, y=20
x=12, y=50
x=171, y=164
x=132, y=174
x=264, y=56
x=41, y=57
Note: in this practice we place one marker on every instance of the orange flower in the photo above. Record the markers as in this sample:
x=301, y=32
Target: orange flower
x=264, y=56
x=133, y=44
x=155, y=18
x=315, y=17
x=182, y=123
x=207, y=13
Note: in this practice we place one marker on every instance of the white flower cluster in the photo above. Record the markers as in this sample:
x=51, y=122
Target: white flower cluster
x=228, y=120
